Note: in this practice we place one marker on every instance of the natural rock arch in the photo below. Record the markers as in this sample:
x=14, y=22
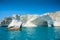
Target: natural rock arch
x=43, y=20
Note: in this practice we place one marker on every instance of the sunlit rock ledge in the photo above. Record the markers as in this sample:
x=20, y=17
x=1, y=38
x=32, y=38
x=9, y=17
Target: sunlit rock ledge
x=33, y=20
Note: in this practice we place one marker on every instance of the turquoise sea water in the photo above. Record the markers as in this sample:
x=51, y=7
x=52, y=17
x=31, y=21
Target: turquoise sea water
x=33, y=33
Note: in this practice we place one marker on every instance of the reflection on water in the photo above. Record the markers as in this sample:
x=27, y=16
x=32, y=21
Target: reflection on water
x=34, y=33
x=51, y=33
x=13, y=35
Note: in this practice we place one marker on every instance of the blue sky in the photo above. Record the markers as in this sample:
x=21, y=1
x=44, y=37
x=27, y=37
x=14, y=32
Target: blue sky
x=9, y=7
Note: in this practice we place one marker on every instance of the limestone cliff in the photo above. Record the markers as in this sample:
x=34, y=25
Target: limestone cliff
x=55, y=17
x=34, y=19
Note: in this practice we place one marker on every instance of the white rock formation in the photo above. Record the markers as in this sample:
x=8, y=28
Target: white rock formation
x=28, y=20
x=36, y=20
x=55, y=17
x=43, y=20
x=15, y=24
x=29, y=24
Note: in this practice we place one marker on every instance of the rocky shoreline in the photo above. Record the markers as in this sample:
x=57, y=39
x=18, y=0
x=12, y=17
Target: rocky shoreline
x=34, y=19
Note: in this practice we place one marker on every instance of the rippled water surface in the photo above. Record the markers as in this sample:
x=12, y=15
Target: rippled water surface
x=34, y=33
